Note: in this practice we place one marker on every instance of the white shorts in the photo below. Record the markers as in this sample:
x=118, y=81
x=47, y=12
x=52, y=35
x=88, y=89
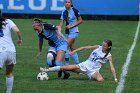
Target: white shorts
x=86, y=69
x=7, y=58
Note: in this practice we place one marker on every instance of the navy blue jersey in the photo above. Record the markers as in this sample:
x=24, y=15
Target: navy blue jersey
x=50, y=34
x=70, y=17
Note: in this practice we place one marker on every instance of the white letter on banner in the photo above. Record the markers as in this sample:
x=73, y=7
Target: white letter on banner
x=41, y=7
x=11, y=5
x=55, y=7
x=1, y=6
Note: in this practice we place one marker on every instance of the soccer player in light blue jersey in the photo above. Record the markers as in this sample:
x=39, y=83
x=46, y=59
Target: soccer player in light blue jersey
x=72, y=18
x=58, y=44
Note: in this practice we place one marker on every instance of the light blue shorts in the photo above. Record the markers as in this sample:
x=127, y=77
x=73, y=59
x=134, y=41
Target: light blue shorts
x=72, y=35
x=53, y=49
x=63, y=46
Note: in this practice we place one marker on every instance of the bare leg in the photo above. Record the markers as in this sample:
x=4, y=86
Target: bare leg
x=9, y=78
x=97, y=76
x=71, y=43
x=60, y=55
x=74, y=68
x=58, y=61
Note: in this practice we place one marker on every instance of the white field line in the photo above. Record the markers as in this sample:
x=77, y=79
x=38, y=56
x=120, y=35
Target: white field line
x=121, y=82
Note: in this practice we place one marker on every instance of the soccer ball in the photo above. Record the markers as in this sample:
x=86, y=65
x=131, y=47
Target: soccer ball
x=42, y=76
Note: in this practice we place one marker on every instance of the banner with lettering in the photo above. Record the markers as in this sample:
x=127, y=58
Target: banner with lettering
x=87, y=7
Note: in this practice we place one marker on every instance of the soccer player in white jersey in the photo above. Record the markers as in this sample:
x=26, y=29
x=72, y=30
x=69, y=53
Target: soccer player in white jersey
x=7, y=49
x=100, y=55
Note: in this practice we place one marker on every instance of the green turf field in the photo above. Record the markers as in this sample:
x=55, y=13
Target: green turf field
x=91, y=33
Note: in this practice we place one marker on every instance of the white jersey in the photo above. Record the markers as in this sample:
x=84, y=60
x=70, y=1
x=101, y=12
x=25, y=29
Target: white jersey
x=97, y=55
x=6, y=43
x=96, y=59
x=94, y=62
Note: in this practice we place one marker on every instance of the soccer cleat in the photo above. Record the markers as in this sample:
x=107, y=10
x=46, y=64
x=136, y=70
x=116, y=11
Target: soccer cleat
x=59, y=74
x=66, y=76
x=43, y=69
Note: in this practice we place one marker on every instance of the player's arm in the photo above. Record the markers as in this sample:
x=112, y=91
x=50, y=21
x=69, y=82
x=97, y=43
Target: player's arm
x=79, y=21
x=58, y=29
x=61, y=23
x=40, y=44
x=16, y=29
x=62, y=20
x=112, y=69
x=78, y=17
x=84, y=48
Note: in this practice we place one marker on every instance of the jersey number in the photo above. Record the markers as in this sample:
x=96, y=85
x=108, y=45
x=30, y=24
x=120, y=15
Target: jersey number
x=1, y=33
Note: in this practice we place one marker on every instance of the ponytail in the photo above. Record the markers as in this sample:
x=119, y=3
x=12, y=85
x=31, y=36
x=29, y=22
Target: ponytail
x=72, y=4
x=1, y=21
x=109, y=43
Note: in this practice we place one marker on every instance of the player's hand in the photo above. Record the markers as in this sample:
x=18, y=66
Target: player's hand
x=70, y=53
x=68, y=26
x=116, y=80
x=19, y=42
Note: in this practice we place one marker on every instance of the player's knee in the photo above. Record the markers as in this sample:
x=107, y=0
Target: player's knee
x=100, y=79
x=51, y=58
x=9, y=70
x=9, y=73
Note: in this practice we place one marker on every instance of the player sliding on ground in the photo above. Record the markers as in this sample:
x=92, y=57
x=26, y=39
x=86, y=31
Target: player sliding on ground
x=101, y=54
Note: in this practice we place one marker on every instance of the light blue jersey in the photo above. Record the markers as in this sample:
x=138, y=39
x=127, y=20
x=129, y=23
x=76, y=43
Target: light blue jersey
x=51, y=35
x=70, y=17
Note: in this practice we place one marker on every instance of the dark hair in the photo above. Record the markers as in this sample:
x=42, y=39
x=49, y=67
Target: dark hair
x=37, y=20
x=109, y=43
x=2, y=20
x=72, y=4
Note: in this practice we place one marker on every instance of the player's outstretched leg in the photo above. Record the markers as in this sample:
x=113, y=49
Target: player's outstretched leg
x=66, y=74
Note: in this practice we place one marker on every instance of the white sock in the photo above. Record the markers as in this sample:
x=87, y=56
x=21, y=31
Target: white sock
x=56, y=68
x=9, y=84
